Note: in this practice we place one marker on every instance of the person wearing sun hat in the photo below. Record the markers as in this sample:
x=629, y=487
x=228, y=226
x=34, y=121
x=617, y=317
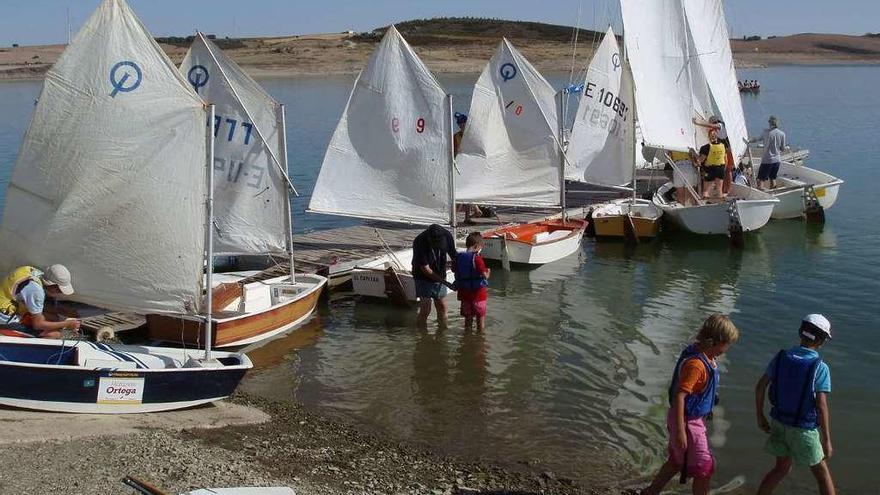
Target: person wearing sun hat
x=22, y=296
x=799, y=383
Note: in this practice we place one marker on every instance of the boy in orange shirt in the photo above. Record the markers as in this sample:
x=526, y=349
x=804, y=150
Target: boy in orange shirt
x=692, y=395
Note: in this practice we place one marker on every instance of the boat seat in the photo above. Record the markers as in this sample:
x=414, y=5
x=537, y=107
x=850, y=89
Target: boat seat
x=551, y=236
x=97, y=356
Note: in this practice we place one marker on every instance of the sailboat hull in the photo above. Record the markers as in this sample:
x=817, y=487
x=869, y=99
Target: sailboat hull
x=754, y=208
x=535, y=243
x=374, y=280
x=793, y=181
x=232, y=328
x=86, y=377
x=609, y=218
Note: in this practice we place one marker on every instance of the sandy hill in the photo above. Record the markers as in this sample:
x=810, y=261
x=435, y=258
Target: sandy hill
x=455, y=44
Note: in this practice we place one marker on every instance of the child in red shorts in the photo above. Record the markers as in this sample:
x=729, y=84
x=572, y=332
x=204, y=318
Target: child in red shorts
x=471, y=280
x=691, y=398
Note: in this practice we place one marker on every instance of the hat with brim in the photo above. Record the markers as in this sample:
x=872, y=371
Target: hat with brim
x=815, y=323
x=59, y=275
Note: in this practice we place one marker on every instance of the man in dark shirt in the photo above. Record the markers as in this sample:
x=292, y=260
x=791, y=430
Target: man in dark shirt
x=430, y=250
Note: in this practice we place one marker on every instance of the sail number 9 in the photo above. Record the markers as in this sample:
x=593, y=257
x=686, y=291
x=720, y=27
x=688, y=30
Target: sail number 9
x=395, y=125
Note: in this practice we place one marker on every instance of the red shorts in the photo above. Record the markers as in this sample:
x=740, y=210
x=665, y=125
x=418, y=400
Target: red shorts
x=470, y=309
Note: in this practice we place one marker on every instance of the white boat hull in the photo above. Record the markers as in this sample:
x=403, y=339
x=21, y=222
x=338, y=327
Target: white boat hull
x=793, y=181
x=368, y=279
x=754, y=208
x=532, y=252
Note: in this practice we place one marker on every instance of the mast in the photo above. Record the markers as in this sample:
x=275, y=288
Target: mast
x=209, y=231
x=288, y=211
x=451, y=158
x=560, y=102
x=625, y=67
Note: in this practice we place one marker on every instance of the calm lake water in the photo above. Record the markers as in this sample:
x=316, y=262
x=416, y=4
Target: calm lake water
x=573, y=368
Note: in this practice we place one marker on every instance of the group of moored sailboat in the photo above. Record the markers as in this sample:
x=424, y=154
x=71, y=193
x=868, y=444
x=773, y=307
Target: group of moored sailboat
x=157, y=169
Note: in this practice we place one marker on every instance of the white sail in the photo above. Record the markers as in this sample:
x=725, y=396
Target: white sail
x=702, y=98
x=110, y=180
x=509, y=152
x=250, y=192
x=601, y=147
x=389, y=157
x=657, y=49
x=708, y=29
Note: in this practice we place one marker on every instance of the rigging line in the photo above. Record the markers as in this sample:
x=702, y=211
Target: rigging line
x=574, y=43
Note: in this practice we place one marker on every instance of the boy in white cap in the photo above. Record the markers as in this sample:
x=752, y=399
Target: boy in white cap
x=799, y=383
x=22, y=296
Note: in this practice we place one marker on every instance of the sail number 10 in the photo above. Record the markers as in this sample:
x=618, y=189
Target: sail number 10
x=395, y=125
x=608, y=99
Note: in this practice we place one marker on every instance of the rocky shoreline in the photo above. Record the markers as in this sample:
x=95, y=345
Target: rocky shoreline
x=310, y=452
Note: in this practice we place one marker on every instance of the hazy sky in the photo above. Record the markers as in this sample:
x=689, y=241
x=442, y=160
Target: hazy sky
x=45, y=21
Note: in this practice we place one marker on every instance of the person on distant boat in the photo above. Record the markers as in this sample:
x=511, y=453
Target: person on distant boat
x=774, y=144
x=470, y=210
x=692, y=395
x=430, y=251
x=713, y=158
x=799, y=383
x=685, y=175
x=471, y=280
x=22, y=296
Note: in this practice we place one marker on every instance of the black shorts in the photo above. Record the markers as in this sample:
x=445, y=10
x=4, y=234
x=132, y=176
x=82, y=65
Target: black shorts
x=768, y=171
x=713, y=173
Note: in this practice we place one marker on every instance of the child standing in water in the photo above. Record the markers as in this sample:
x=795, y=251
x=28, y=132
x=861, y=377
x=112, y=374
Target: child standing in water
x=471, y=280
x=692, y=395
x=799, y=385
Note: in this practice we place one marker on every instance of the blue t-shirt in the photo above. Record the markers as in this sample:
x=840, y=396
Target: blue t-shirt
x=822, y=382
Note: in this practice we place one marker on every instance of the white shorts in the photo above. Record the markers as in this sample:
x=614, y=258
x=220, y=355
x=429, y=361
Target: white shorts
x=684, y=169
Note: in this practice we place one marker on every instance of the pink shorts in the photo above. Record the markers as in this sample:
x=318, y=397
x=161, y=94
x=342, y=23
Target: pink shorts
x=700, y=463
x=470, y=309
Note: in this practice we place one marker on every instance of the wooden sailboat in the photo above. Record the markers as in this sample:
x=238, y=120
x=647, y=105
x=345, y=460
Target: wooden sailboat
x=683, y=68
x=511, y=155
x=602, y=146
x=251, y=210
x=124, y=207
x=390, y=158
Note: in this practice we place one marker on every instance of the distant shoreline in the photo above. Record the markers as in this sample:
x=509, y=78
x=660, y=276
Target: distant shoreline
x=455, y=49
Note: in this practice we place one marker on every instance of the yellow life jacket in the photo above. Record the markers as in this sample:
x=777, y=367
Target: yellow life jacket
x=717, y=155
x=678, y=156
x=11, y=284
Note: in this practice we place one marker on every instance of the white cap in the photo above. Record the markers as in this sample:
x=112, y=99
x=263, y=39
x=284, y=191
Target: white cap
x=60, y=276
x=819, y=322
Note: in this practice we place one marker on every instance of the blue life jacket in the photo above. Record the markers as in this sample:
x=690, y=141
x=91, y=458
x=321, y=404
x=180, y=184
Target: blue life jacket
x=695, y=405
x=793, y=390
x=466, y=275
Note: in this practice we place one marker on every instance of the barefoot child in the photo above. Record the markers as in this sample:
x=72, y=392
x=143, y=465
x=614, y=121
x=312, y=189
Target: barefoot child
x=799, y=384
x=692, y=395
x=471, y=280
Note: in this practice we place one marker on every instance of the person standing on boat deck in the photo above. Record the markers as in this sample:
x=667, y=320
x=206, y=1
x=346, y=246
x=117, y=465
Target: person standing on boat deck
x=774, y=144
x=799, y=383
x=430, y=251
x=23, y=294
x=685, y=175
x=713, y=158
x=718, y=124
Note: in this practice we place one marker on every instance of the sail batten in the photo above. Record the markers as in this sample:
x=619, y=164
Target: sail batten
x=601, y=147
x=110, y=179
x=389, y=155
x=250, y=187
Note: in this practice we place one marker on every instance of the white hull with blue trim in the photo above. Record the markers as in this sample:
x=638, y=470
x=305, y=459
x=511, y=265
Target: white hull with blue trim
x=86, y=377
